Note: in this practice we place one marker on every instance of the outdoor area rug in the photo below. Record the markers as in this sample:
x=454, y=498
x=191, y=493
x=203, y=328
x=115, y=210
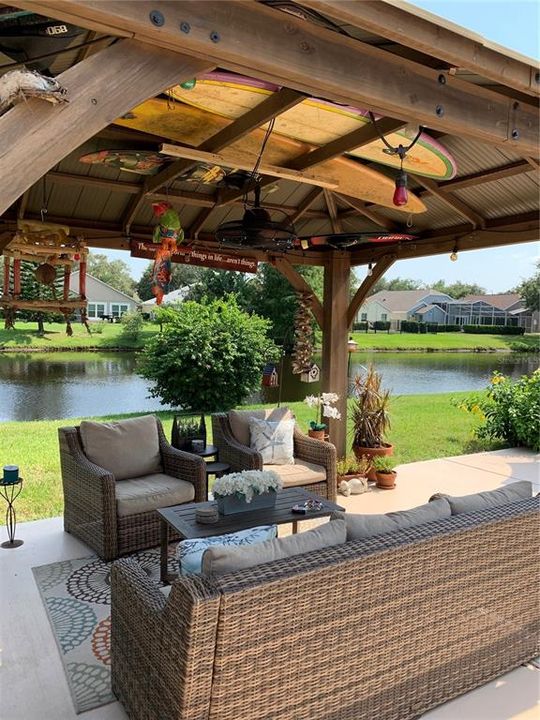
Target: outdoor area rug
x=77, y=597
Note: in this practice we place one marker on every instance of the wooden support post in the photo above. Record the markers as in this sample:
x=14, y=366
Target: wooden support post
x=335, y=351
x=16, y=277
x=360, y=295
x=67, y=275
x=300, y=285
x=7, y=264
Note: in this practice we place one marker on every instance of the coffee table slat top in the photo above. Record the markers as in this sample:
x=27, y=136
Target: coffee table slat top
x=182, y=517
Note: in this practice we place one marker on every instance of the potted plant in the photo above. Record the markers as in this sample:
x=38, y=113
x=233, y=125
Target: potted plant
x=247, y=490
x=325, y=409
x=352, y=475
x=370, y=418
x=384, y=471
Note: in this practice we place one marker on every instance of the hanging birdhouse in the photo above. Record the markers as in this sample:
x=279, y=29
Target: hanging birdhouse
x=270, y=376
x=312, y=375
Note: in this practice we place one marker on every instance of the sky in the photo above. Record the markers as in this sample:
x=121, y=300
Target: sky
x=515, y=25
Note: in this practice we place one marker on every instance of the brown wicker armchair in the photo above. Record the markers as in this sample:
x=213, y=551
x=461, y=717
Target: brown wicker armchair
x=116, y=517
x=315, y=461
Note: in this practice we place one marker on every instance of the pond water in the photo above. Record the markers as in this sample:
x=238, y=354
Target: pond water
x=61, y=385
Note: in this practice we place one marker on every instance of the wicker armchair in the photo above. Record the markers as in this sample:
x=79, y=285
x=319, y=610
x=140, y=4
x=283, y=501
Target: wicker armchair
x=314, y=458
x=91, y=510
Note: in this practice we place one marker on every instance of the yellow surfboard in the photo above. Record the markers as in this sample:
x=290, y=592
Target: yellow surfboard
x=315, y=121
x=191, y=126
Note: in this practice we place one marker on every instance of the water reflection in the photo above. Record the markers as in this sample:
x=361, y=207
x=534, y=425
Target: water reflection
x=63, y=385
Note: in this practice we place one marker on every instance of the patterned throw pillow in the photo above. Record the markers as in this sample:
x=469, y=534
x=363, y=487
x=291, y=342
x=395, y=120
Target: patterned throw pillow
x=274, y=440
x=190, y=552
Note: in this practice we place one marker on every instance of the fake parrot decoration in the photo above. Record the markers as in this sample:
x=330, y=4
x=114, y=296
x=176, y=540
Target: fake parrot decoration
x=167, y=234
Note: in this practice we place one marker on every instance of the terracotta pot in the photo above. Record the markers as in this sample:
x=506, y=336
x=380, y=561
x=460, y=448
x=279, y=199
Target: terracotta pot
x=316, y=434
x=360, y=451
x=386, y=481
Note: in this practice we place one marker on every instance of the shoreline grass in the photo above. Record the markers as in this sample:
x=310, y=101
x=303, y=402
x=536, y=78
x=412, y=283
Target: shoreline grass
x=424, y=427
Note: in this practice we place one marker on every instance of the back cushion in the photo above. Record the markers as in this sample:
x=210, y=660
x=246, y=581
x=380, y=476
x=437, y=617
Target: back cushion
x=127, y=448
x=239, y=420
x=490, y=498
x=365, y=526
x=224, y=559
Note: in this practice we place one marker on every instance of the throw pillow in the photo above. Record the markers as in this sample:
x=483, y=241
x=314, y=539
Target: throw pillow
x=224, y=559
x=190, y=552
x=490, y=498
x=273, y=440
x=365, y=526
x=127, y=448
x=239, y=420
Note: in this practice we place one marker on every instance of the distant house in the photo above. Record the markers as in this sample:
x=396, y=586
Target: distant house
x=394, y=306
x=175, y=296
x=431, y=306
x=103, y=299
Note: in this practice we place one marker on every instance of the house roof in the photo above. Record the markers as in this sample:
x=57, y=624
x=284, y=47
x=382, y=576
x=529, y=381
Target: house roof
x=501, y=301
x=173, y=297
x=427, y=308
x=129, y=297
x=402, y=300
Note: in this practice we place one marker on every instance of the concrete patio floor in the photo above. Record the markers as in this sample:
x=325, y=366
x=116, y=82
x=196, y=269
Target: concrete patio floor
x=33, y=684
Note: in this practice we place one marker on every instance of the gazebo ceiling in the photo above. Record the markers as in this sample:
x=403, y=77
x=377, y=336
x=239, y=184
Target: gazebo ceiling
x=492, y=200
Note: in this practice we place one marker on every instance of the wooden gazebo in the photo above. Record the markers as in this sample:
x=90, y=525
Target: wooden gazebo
x=404, y=64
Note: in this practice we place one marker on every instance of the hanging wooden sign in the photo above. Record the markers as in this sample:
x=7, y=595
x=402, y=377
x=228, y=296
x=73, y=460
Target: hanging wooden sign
x=197, y=256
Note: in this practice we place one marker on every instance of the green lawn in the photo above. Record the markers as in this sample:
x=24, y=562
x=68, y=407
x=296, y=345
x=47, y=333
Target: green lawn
x=104, y=335
x=423, y=427
x=439, y=341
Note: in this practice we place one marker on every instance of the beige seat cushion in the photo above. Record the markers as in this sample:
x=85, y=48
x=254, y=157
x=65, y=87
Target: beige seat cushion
x=239, y=420
x=222, y=559
x=151, y=492
x=301, y=473
x=127, y=448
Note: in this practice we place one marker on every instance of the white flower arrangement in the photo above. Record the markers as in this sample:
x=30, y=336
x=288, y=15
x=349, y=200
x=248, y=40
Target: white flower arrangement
x=246, y=484
x=325, y=403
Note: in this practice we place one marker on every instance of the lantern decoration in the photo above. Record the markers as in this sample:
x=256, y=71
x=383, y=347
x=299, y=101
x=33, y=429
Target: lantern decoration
x=303, y=333
x=270, y=376
x=167, y=233
x=49, y=246
x=312, y=374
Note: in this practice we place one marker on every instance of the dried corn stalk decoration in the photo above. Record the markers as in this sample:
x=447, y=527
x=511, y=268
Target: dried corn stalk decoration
x=303, y=334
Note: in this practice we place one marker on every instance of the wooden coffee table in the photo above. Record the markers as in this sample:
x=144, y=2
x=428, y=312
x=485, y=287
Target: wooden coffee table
x=181, y=518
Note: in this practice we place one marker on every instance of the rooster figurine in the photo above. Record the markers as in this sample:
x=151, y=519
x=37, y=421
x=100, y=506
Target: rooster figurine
x=167, y=234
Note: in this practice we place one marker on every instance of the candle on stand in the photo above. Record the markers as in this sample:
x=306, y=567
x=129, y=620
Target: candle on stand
x=11, y=474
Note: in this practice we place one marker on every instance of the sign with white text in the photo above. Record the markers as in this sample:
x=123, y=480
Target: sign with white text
x=197, y=256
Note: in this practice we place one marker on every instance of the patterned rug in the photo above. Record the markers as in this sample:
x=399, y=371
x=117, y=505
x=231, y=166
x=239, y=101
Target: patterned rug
x=77, y=597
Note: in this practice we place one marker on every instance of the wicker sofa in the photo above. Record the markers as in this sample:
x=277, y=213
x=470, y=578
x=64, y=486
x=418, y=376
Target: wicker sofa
x=386, y=627
x=314, y=468
x=92, y=495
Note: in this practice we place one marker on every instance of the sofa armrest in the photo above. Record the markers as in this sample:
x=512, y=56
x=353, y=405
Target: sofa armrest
x=238, y=456
x=89, y=496
x=183, y=465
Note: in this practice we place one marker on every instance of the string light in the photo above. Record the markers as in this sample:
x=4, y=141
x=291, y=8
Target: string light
x=370, y=269
x=454, y=254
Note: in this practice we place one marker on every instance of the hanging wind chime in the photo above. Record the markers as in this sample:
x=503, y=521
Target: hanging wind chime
x=168, y=233
x=303, y=332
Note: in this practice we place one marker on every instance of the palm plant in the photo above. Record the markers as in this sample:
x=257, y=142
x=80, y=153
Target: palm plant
x=370, y=417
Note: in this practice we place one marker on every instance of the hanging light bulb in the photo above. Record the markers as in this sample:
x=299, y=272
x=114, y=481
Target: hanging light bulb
x=401, y=195
x=370, y=269
x=453, y=254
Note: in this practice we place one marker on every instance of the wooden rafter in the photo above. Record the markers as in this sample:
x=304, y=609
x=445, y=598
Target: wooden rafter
x=196, y=226
x=451, y=200
x=284, y=266
x=484, y=176
x=368, y=212
x=266, y=110
x=377, y=271
x=332, y=211
x=318, y=62
x=533, y=163
x=433, y=38
x=37, y=135
x=303, y=207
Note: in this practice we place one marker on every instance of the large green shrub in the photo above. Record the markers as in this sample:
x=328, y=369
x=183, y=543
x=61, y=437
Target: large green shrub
x=493, y=329
x=132, y=325
x=510, y=411
x=209, y=356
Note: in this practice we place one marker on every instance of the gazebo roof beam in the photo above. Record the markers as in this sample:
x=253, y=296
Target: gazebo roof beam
x=434, y=37
x=373, y=215
x=483, y=176
x=305, y=204
x=262, y=41
x=451, y=200
x=332, y=211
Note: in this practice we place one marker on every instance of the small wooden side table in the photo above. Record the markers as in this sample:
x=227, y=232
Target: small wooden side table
x=213, y=467
x=10, y=492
